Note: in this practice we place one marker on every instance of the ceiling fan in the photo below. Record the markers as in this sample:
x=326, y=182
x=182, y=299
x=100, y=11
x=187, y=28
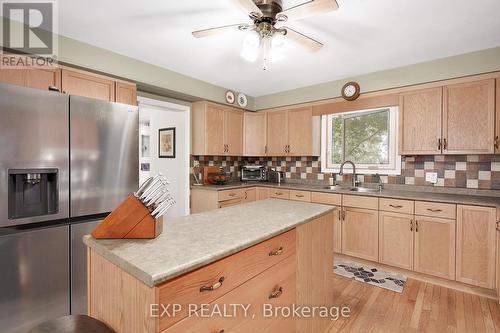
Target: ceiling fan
x=267, y=35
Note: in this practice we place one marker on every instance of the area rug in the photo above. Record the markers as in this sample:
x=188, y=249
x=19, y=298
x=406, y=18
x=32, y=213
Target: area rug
x=370, y=275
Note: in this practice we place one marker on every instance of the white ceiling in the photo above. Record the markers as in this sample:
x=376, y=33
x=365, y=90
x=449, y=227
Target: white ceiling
x=363, y=36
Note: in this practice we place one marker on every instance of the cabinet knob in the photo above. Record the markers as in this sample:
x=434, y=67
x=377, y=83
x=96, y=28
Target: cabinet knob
x=445, y=144
x=416, y=225
x=411, y=225
x=496, y=142
x=276, y=253
x=439, y=144
x=498, y=226
x=213, y=287
x=276, y=293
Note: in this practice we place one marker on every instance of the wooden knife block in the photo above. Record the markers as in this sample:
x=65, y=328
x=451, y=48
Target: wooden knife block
x=130, y=220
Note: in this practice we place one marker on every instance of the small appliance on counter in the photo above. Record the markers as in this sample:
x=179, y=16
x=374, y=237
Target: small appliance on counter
x=253, y=173
x=214, y=176
x=276, y=176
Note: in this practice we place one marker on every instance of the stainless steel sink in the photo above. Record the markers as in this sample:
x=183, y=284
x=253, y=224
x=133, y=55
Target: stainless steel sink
x=337, y=188
x=364, y=190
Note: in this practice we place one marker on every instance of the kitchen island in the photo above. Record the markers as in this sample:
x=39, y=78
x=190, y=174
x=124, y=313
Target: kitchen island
x=271, y=253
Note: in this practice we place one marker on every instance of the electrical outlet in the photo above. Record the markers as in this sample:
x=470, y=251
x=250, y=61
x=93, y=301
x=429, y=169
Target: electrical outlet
x=431, y=177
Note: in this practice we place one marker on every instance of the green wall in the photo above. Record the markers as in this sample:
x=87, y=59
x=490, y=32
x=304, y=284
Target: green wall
x=467, y=64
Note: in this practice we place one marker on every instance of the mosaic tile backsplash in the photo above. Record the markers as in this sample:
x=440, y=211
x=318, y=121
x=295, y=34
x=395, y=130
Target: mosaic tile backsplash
x=454, y=171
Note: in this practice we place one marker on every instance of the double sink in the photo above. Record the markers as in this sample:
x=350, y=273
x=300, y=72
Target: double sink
x=359, y=189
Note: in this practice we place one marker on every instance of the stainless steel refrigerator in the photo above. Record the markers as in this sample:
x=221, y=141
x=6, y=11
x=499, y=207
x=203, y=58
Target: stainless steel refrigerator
x=65, y=163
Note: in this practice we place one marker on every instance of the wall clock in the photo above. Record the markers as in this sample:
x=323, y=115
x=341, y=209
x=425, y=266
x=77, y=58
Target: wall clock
x=351, y=91
x=242, y=100
x=230, y=97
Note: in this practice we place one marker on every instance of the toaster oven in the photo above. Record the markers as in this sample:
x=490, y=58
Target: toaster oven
x=253, y=173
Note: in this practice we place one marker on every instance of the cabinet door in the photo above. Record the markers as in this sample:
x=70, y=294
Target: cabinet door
x=250, y=195
x=262, y=193
x=233, y=132
x=277, y=133
x=476, y=242
x=13, y=76
x=469, y=118
x=497, y=120
x=360, y=233
x=87, y=85
x=126, y=93
x=214, y=130
x=498, y=254
x=420, y=122
x=300, y=132
x=43, y=78
x=396, y=239
x=435, y=246
x=254, y=137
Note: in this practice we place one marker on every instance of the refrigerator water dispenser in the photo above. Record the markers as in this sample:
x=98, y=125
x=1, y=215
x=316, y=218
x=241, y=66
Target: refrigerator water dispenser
x=33, y=192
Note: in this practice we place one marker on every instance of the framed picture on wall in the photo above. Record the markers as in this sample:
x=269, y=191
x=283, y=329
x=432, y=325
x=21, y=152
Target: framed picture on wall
x=166, y=143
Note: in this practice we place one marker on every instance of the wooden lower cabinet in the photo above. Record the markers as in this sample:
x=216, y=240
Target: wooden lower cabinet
x=360, y=233
x=498, y=254
x=249, y=195
x=476, y=245
x=435, y=246
x=279, y=194
x=262, y=193
x=396, y=239
x=337, y=231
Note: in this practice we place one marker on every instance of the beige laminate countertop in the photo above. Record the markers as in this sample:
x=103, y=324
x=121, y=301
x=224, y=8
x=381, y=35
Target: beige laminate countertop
x=196, y=240
x=419, y=195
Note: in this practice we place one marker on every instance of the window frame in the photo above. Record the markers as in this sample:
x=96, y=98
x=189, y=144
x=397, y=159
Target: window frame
x=394, y=166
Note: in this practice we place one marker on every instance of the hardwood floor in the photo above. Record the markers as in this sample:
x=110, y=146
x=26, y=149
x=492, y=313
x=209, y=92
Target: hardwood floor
x=422, y=307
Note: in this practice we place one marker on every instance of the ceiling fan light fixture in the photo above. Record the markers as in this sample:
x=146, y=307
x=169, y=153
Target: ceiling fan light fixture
x=251, y=46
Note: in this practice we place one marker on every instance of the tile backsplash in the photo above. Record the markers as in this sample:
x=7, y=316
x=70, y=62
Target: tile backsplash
x=454, y=171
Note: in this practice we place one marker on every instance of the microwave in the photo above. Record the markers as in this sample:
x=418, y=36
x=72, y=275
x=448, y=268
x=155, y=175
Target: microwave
x=253, y=173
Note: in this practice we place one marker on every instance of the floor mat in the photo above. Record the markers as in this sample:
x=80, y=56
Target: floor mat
x=370, y=275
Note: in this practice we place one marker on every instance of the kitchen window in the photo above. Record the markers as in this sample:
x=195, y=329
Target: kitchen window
x=369, y=138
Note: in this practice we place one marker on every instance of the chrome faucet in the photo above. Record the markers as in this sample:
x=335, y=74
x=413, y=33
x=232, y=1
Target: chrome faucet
x=354, y=181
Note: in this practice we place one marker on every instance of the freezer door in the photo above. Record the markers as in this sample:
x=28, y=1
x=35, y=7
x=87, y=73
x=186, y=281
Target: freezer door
x=79, y=266
x=104, y=154
x=34, y=283
x=34, y=134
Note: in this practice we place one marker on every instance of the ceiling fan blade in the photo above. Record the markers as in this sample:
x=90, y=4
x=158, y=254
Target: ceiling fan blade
x=307, y=42
x=249, y=6
x=310, y=8
x=219, y=30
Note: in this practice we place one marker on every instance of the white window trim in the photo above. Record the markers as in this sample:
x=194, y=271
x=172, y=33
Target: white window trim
x=394, y=167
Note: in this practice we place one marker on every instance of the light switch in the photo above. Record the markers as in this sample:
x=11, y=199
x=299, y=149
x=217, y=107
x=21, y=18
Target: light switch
x=431, y=177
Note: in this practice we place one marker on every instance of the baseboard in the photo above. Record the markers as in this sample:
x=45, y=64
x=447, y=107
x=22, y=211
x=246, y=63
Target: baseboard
x=488, y=293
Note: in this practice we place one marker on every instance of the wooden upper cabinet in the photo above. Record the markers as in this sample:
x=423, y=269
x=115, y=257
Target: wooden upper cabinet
x=497, y=130
x=126, y=93
x=435, y=246
x=300, y=132
x=216, y=130
x=476, y=245
x=79, y=83
x=420, y=122
x=469, y=118
x=277, y=133
x=254, y=134
x=396, y=239
x=32, y=78
x=360, y=233
x=233, y=132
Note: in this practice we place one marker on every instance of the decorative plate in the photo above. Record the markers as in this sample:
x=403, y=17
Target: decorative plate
x=242, y=100
x=230, y=97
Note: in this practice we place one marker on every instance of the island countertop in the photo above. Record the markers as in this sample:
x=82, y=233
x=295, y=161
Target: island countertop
x=193, y=241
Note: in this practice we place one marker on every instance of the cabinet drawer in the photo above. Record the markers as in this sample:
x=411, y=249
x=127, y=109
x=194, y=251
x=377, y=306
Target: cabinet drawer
x=229, y=203
x=300, y=196
x=279, y=194
x=435, y=209
x=256, y=292
x=326, y=198
x=397, y=206
x=230, y=272
x=231, y=194
x=356, y=201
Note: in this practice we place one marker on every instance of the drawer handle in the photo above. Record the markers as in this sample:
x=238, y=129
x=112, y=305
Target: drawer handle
x=276, y=293
x=278, y=193
x=396, y=206
x=276, y=253
x=416, y=225
x=213, y=287
x=299, y=195
x=411, y=225
x=434, y=210
x=232, y=194
x=498, y=226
